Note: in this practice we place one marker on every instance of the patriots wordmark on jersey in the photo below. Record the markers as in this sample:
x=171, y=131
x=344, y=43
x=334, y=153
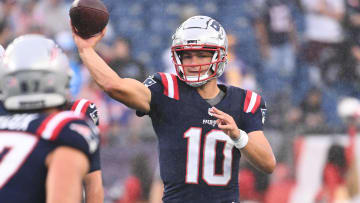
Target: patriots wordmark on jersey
x=198, y=161
x=25, y=142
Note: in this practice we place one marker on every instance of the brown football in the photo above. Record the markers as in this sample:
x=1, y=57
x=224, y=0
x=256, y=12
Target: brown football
x=88, y=17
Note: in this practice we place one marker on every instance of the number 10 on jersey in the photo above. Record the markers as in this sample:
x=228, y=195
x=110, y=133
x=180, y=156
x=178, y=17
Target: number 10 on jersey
x=193, y=136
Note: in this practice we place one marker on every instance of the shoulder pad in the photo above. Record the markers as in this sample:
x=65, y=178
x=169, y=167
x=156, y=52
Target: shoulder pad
x=166, y=81
x=252, y=102
x=89, y=132
x=170, y=84
x=50, y=128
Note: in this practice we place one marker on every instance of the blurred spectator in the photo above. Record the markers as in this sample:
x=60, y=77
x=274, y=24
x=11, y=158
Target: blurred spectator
x=7, y=8
x=124, y=64
x=281, y=185
x=350, y=75
x=185, y=11
x=65, y=41
x=5, y=33
x=137, y=185
x=7, y=27
x=92, y=92
x=334, y=187
x=157, y=188
x=313, y=117
x=252, y=184
x=325, y=37
x=53, y=15
x=309, y=116
x=2, y=51
x=276, y=35
x=236, y=72
x=167, y=61
x=2, y=109
x=279, y=114
x=24, y=19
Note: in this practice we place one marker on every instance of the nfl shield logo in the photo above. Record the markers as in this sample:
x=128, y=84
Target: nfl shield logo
x=149, y=81
x=263, y=113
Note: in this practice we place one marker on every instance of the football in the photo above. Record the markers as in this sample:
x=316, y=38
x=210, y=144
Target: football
x=88, y=17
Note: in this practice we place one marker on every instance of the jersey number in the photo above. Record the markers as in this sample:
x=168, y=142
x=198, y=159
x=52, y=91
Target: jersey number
x=14, y=149
x=193, y=136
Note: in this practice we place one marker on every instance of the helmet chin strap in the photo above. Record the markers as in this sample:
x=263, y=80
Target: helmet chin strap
x=201, y=77
x=194, y=78
x=197, y=84
x=208, y=72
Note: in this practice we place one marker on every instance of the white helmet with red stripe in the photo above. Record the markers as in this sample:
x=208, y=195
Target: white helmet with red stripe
x=200, y=33
x=34, y=74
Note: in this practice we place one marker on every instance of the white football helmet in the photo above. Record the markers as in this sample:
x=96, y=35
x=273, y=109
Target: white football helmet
x=200, y=33
x=34, y=74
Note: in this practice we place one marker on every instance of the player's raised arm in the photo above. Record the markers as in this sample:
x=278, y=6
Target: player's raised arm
x=131, y=92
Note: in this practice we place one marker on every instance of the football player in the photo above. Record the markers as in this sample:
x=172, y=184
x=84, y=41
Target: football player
x=94, y=192
x=202, y=127
x=45, y=152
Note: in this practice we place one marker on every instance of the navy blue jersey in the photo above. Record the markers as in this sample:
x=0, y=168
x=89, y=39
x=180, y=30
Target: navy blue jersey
x=25, y=142
x=198, y=161
x=87, y=108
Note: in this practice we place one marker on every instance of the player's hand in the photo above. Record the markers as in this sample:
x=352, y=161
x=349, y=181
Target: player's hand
x=226, y=123
x=87, y=43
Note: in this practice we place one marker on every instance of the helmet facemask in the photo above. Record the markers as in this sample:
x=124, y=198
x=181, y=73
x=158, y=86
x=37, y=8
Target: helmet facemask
x=200, y=33
x=213, y=67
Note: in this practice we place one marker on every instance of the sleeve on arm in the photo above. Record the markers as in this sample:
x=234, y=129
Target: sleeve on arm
x=95, y=163
x=253, y=113
x=154, y=84
x=81, y=135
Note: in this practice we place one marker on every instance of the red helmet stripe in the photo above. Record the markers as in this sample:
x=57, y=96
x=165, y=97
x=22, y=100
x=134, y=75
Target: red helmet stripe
x=80, y=106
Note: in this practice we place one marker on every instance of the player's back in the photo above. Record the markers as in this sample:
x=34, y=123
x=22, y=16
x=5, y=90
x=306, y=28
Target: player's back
x=26, y=140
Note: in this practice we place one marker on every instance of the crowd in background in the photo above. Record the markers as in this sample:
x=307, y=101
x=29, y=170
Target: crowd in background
x=303, y=56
